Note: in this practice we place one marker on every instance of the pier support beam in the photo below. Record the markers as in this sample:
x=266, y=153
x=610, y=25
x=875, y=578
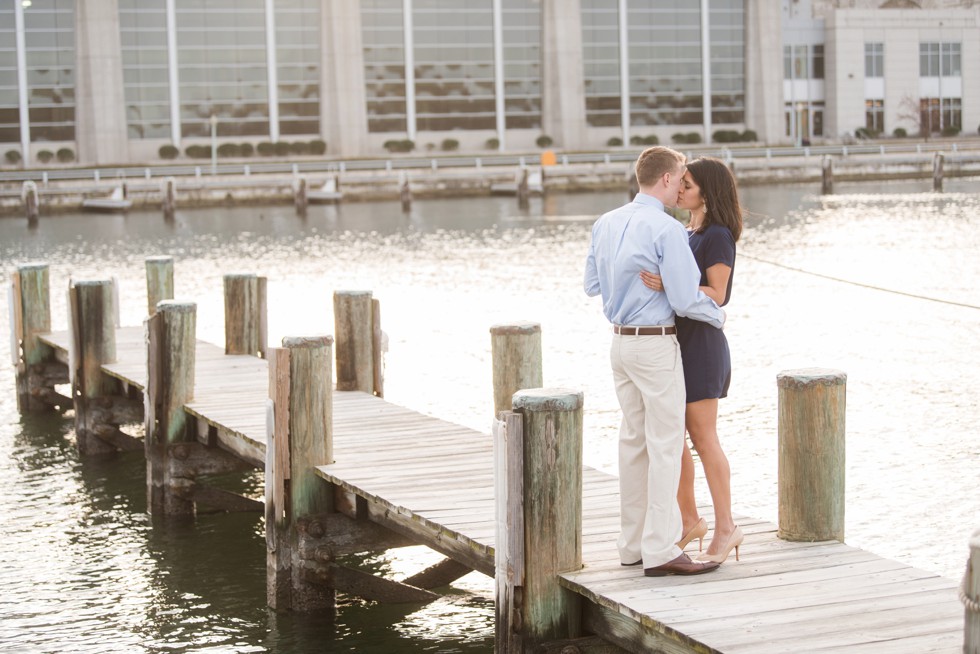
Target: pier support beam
x=516, y=352
x=827, y=180
x=171, y=357
x=159, y=282
x=301, y=437
x=360, y=342
x=971, y=598
x=93, y=338
x=938, y=160
x=36, y=371
x=245, y=315
x=811, y=454
x=551, y=470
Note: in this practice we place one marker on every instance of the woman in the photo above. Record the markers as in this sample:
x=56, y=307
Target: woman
x=709, y=193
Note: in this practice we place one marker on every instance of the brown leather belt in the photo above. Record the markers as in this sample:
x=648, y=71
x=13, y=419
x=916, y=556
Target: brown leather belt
x=623, y=330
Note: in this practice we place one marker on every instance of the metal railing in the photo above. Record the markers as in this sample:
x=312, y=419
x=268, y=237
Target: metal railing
x=259, y=167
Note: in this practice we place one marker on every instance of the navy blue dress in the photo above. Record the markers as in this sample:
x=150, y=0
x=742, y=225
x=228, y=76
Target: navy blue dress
x=704, y=349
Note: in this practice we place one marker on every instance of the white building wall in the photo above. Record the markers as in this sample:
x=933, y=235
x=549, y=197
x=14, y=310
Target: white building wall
x=901, y=31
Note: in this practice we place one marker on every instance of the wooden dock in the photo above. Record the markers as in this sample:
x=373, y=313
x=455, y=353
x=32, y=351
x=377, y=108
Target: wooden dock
x=431, y=482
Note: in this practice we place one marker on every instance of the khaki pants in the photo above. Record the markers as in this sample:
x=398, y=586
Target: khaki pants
x=649, y=380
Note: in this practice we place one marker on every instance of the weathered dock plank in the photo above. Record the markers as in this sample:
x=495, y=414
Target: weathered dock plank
x=433, y=481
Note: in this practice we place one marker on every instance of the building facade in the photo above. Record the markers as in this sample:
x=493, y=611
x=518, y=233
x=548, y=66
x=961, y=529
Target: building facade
x=113, y=81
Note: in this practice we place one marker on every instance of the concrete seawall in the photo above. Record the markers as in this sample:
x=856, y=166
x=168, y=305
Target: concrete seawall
x=369, y=185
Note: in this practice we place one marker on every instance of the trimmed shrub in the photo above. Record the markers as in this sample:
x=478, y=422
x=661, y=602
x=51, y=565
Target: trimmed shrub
x=543, y=141
x=198, y=151
x=265, y=149
x=247, y=149
x=651, y=140
x=299, y=147
x=318, y=147
x=951, y=130
x=686, y=137
x=449, y=145
x=44, y=156
x=749, y=136
x=726, y=136
x=168, y=151
x=281, y=148
x=229, y=150
x=493, y=143
x=65, y=155
x=865, y=133
x=614, y=142
x=900, y=133
x=12, y=157
x=399, y=145
x=636, y=140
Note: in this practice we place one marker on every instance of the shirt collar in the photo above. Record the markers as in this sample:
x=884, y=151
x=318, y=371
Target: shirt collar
x=643, y=198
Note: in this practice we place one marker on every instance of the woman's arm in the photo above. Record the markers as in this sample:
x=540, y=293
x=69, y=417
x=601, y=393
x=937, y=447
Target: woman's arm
x=718, y=275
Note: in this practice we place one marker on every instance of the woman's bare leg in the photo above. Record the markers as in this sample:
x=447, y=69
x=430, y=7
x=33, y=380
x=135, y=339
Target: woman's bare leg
x=685, y=491
x=702, y=425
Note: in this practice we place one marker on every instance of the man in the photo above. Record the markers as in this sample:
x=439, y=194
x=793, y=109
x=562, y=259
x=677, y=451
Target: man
x=646, y=358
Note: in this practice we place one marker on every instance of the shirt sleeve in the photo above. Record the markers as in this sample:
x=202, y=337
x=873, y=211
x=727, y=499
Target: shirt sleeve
x=591, y=273
x=719, y=247
x=681, y=276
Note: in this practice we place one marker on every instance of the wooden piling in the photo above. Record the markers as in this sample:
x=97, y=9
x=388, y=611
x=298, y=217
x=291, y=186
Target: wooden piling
x=31, y=203
x=405, y=194
x=159, y=281
x=508, y=453
x=827, y=168
x=516, y=352
x=970, y=596
x=811, y=454
x=171, y=335
x=938, y=159
x=93, y=334
x=523, y=190
x=354, y=328
x=300, y=198
x=300, y=381
x=245, y=314
x=552, y=505
x=31, y=299
x=169, y=198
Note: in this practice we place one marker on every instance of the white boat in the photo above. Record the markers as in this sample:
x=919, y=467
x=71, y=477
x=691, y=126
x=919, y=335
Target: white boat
x=115, y=201
x=535, y=183
x=326, y=193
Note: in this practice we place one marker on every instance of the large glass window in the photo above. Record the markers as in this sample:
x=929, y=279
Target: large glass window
x=874, y=115
x=9, y=104
x=600, y=46
x=874, y=59
x=939, y=59
x=384, y=65
x=727, y=38
x=221, y=54
x=522, y=63
x=298, y=65
x=665, y=62
x=49, y=27
x=143, y=33
x=454, y=76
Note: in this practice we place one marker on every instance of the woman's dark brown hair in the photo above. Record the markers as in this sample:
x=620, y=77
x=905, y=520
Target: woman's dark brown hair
x=719, y=192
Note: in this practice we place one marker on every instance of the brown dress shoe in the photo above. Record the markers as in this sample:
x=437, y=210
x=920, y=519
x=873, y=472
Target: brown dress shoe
x=682, y=565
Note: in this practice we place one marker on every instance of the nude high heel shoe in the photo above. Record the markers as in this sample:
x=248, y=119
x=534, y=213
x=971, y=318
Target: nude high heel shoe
x=697, y=531
x=734, y=541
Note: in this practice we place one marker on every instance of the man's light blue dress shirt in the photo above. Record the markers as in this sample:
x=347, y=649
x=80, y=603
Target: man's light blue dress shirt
x=641, y=236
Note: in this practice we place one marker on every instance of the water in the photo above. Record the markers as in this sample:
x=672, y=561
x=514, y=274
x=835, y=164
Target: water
x=84, y=568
